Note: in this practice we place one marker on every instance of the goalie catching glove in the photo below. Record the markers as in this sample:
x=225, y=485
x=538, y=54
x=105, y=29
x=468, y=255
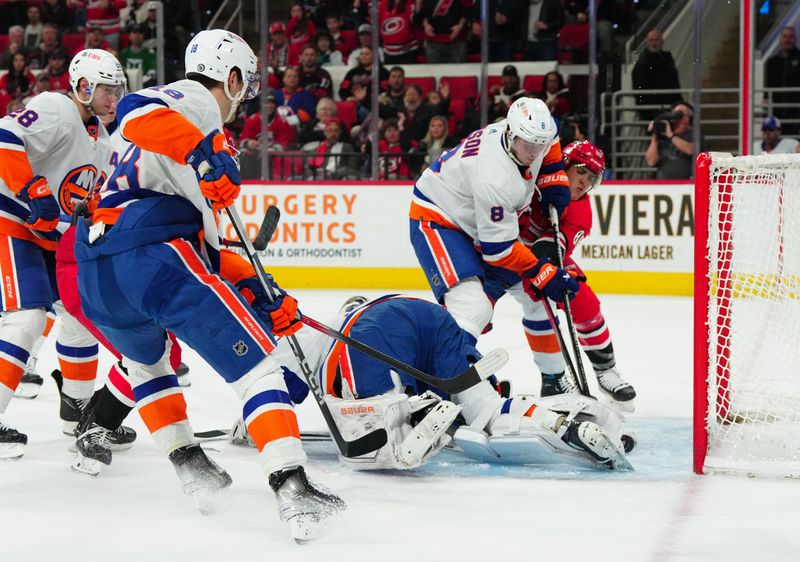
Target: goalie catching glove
x=213, y=161
x=546, y=278
x=44, y=208
x=281, y=316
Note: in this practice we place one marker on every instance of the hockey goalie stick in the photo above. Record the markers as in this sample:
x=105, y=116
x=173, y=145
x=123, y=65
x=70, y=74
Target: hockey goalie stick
x=578, y=370
x=373, y=440
x=265, y=232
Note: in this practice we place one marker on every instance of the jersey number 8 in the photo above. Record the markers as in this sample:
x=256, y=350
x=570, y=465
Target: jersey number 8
x=25, y=117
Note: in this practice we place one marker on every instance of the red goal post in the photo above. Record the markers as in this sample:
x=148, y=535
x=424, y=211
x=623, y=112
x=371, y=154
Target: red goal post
x=747, y=315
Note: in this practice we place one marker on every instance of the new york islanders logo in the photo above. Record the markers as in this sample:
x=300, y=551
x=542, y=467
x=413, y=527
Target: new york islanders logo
x=76, y=185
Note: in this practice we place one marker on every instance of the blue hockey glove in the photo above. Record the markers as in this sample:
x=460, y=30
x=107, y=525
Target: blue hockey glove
x=220, y=180
x=282, y=316
x=42, y=204
x=546, y=278
x=556, y=195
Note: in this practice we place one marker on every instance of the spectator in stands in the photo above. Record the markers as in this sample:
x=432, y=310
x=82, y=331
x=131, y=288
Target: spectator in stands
x=655, y=70
x=397, y=88
x=18, y=81
x=57, y=13
x=325, y=55
x=399, y=37
x=772, y=142
x=138, y=57
x=783, y=71
x=444, y=25
x=357, y=83
x=505, y=17
x=343, y=40
x=16, y=44
x=578, y=12
x=96, y=39
x=15, y=105
x=503, y=95
x=57, y=73
x=33, y=30
x=555, y=94
x=545, y=18
x=281, y=137
x=364, y=42
x=439, y=100
x=313, y=130
x=300, y=28
x=394, y=158
x=279, y=53
x=437, y=139
x=671, y=147
x=104, y=14
x=313, y=78
x=50, y=43
x=332, y=158
x=416, y=115
x=300, y=101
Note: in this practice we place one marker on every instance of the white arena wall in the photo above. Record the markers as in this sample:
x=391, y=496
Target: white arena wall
x=355, y=235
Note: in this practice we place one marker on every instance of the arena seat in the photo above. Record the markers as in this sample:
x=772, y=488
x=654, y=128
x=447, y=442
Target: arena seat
x=4, y=43
x=461, y=87
x=495, y=80
x=346, y=111
x=73, y=42
x=426, y=83
x=573, y=43
x=533, y=83
x=458, y=110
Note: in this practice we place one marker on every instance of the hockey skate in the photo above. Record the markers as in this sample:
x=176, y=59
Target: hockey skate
x=303, y=504
x=558, y=383
x=618, y=392
x=201, y=476
x=31, y=383
x=93, y=450
x=590, y=437
x=12, y=443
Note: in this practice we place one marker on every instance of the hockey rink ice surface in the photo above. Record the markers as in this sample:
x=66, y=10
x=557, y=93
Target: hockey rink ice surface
x=450, y=509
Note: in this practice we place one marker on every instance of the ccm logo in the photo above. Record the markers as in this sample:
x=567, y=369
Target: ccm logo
x=357, y=410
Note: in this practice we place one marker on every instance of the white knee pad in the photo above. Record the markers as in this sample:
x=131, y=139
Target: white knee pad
x=469, y=305
x=23, y=327
x=70, y=331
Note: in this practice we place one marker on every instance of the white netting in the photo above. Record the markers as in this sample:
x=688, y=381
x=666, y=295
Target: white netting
x=753, y=420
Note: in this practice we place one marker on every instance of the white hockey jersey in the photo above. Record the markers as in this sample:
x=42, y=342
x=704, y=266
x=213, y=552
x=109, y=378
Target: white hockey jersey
x=48, y=138
x=478, y=189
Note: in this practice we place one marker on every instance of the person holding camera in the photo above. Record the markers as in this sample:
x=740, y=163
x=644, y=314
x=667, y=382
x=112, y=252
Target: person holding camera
x=671, y=145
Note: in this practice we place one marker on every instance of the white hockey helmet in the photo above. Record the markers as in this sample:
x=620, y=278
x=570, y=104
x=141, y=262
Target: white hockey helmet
x=97, y=67
x=214, y=53
x=529, y=120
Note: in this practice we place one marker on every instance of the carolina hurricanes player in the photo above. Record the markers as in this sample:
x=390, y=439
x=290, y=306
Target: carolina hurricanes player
x=584, y=164
x=55, y=143
x=160, y=268
x=464, y=219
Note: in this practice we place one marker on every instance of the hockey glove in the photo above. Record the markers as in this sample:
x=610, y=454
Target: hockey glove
x=556, y=195
x=298, y=390
x=281, y=316
x=44, y=208
x=220, y=179
x=546, y=278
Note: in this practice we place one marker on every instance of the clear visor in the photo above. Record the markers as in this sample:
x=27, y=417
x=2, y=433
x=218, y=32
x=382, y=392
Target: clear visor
x=527, y=151
x=113, y=92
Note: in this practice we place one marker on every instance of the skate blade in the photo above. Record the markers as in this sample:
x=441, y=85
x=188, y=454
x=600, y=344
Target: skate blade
x=85, y=465
x=203, y=499
x=627, y=406
x=616, y=458
x=120, y=447
x=307, y=527
x=11, y=451
x=27, y=390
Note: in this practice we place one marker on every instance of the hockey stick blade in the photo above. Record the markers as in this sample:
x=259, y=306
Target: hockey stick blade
x=464, y=380
x=268, y=226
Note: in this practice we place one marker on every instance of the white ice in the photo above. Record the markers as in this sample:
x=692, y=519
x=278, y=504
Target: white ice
x=449, y=510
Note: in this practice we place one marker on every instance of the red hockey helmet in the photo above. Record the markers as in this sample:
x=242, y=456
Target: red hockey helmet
x=584, y=153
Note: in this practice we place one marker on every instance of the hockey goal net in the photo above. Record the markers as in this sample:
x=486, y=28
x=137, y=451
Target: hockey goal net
x=747, y=315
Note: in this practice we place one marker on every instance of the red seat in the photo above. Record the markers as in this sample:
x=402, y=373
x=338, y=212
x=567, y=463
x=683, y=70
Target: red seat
x=573, y=43
x=73, y=42
x=346, y=111
x=533, y=83
x=4, y=43
x=458, y=110
x=461, y=87
x=426, y=83
x=495, y=80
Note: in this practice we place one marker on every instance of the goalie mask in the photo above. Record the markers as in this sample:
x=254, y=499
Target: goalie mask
x=99, y=68
x=214, y=53
x=530, y=129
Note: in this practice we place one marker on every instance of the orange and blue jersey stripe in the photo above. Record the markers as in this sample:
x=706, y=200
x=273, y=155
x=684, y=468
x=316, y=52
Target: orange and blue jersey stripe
x=540, y=335
x=423, y=209
x=511, y=254
x=160, y=402
x=270, y=416
x=78, y=363
x=12, y=364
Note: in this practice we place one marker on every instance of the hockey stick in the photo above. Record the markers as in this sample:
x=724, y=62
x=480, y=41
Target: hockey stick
x=265, y=232
x=365, y=444
x=478, y=371
x=580, y=373
x=224, y=434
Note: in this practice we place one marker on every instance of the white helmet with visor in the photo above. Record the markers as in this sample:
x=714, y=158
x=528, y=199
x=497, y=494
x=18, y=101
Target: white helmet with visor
x=530, y=130
x=97, y=67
